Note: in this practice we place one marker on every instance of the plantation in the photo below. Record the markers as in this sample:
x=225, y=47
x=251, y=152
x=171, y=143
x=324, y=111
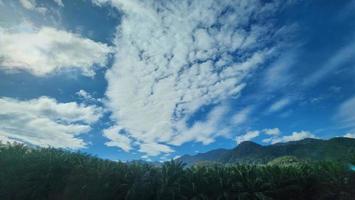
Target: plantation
x=56, y=174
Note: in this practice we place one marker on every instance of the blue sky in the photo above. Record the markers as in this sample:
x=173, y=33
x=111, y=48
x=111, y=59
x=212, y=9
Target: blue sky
x=155, y=80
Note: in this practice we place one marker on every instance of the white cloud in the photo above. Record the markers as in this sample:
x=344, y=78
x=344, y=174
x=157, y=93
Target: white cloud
x=32, y=5
x=84, y=94
x=268, y=140
x=46, y=122
x=117, y=139
x=154, y=149
x=87, y=97
x=350, y=135
x=295, y=136
x=279, y=105
x=273, y=131
x=247, y=136
x=47, y=50
x=202, y=131
x=173, y=58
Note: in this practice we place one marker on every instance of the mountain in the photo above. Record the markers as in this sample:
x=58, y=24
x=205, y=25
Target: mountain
x=339, y=148
x=212, y=156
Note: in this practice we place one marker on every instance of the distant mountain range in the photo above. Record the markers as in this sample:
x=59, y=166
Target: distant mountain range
x=339, y=148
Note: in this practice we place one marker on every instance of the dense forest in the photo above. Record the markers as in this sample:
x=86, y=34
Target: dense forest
x=46, y=173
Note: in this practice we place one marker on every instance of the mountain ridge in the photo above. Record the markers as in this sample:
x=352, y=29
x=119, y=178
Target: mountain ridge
x=338, y=148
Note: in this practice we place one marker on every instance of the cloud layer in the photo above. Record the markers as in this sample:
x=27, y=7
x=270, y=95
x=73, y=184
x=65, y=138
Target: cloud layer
x=46, y=122
x=174, y=58
x=47, y=50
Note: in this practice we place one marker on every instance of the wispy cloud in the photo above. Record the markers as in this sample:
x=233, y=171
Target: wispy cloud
x=340, y=58
x=345, y=114
x=278, y=75
x=280, y=104
x=242, y=116
x=46, y=122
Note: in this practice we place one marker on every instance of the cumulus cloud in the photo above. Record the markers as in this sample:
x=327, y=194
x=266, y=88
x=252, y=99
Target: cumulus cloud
x=46, y=122
x=117, y=138
x=154, y=149
x=47, y=50
x=279, y=105
x=350, y=135
x=295, y=136
x=173, y=58
x=247, y=136
x=272, y=131
x=84, y=94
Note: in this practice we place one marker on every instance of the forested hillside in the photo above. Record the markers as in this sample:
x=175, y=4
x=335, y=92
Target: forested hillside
x=335, y=149
x=53, y=174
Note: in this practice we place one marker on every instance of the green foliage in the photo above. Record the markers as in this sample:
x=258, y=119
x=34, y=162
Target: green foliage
x=53, y=174
x=285, y=161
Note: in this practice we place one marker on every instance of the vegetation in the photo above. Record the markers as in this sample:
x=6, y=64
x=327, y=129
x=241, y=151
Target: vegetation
x=285, y=161
x=338, y=149
x=57, y=174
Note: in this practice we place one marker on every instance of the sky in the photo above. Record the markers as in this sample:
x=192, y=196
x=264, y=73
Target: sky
x=157, y=79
